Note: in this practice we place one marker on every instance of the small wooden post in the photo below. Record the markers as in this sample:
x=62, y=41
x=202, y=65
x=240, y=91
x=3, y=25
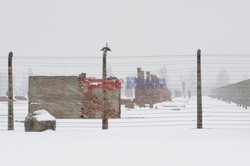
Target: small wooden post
x=199, y=91
x=10, y=94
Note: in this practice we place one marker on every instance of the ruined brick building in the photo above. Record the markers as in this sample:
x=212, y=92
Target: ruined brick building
x=73, y=96
x=91, y=97
x=150, y=90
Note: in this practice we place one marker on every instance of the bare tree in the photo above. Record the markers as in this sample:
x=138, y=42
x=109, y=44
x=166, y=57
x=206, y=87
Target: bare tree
x=110, y=71
x=222, y=78
x=163, y=74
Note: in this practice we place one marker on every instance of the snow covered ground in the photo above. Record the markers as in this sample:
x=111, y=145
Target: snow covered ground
x=180, y=113
x=158, y=147
x=143, y=136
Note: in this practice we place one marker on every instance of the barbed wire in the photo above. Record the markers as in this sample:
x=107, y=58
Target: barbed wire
x=131, y=56
x=177, y=65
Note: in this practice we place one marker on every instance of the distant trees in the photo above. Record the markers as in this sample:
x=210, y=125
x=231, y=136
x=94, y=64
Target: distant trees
x=223, y=78
x=163, y=74
x=30, y=72
x=3, y=84
x=245, y=77
x=192, y=82
x=23, y=82
x=110, y=71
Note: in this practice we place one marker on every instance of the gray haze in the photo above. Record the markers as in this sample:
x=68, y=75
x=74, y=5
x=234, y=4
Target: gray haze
x=81, y=28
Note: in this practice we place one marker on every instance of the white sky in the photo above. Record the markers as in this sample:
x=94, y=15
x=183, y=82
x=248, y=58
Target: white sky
x=132, y=27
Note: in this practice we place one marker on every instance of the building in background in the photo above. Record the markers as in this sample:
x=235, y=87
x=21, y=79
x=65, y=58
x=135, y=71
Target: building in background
x=149, y=91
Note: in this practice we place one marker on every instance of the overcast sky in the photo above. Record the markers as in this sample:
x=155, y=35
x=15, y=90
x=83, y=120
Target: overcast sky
x=81, y=28
x=132, y=27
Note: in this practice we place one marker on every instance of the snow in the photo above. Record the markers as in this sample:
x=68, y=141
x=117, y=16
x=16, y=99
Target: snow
x=143, y=136
x=125, y=147
x=180, y=113
x=43, y=115
x=34, y=103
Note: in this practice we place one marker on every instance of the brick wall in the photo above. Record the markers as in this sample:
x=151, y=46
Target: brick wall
x=92, y=99
x=146, y=93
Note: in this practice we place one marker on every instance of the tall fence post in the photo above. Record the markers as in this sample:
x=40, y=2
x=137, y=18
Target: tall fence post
x=104, y=90
x=199, y=91
x=10, y=94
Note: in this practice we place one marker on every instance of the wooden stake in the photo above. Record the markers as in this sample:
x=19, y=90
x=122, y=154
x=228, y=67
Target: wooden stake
x=199, y=91
x=10, y=94
x=104, y=90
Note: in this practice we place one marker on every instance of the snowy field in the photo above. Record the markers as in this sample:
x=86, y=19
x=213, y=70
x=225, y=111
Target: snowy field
x=180, y=113
x=165, y=135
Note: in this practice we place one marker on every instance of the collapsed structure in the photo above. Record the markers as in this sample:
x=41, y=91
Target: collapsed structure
x=73, y=96
x=82, y=97
x=91, y=97
x=150, y=90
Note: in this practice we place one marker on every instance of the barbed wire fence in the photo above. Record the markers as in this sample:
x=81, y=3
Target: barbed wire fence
x=218, y=70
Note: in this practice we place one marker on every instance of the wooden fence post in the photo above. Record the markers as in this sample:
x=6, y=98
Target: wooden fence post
x=10, y=94
x=199, y=91
x=105, y=113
